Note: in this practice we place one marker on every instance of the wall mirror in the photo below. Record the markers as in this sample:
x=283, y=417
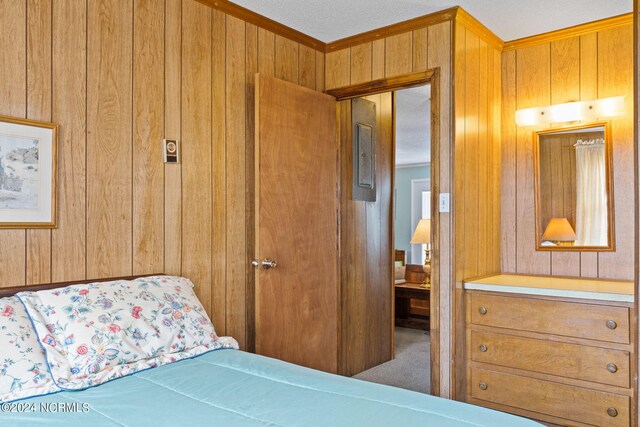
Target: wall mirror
x=574, y=189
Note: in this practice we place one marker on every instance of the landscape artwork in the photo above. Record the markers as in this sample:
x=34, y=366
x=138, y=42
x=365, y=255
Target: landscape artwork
x=19, y=172
x=28, y=172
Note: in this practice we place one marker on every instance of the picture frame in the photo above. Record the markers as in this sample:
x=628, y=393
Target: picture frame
x=28, y=173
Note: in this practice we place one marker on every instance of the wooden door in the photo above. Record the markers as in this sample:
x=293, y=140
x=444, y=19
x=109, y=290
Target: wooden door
x=296, y=224
x=366, y=242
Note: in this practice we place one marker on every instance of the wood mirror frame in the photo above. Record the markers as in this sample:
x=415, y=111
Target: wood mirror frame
x=540, y=227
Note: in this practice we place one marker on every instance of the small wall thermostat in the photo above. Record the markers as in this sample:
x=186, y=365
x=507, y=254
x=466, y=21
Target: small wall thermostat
x=171, y=150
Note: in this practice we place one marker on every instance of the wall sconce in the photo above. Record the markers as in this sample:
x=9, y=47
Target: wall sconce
x=571, y=111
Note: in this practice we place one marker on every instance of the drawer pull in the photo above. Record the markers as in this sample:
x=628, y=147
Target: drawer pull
x=483, y=386
x=611, y=324
x=483, y=348
x=483, y=310
x=612, y=412
x=611, y=367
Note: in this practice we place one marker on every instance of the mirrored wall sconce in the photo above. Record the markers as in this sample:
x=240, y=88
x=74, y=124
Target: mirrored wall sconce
x=571, y=112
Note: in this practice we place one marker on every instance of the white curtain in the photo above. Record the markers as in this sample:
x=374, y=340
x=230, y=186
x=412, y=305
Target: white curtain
x=591, y=196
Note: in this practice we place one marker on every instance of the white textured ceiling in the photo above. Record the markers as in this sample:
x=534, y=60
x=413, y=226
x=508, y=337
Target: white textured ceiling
x=413, y=126
x=330, y=20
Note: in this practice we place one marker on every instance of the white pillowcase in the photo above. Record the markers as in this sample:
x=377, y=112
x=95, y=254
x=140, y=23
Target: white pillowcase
x=23, y=368
x=94, y=333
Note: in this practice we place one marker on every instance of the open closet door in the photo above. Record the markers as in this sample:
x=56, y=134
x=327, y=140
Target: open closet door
x=296, y=259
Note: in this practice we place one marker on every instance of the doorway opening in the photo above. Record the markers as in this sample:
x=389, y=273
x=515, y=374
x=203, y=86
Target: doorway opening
x=411, y=178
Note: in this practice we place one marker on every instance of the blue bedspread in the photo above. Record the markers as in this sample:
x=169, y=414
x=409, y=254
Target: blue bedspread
x=234, y=388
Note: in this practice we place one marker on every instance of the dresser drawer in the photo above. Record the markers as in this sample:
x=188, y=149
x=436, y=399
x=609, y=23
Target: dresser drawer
x=575, y=361
x=563, y=401
x=598, y=322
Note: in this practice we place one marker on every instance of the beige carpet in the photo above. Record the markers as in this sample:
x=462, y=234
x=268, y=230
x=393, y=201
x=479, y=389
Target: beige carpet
x=410, y=369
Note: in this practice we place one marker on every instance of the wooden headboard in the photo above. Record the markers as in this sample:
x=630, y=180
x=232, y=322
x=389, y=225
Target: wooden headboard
x=11, y=291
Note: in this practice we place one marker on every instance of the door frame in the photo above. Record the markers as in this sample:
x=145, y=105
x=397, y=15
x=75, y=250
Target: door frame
x=392, y=84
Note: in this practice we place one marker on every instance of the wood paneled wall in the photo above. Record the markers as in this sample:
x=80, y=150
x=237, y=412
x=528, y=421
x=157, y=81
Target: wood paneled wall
x=477, y=155
x=419, y=50
x=366, y=230
x=582, y=67
x=118, y=76
x=476, y=201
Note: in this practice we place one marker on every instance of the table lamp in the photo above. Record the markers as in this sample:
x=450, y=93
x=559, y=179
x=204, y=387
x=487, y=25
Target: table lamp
x=560, y=232
x=422, y=236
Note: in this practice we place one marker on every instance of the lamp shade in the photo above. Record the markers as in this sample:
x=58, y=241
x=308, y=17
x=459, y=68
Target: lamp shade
x=423, y=233
x=559, y=230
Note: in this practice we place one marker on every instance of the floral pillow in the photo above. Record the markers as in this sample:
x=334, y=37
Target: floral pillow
x=94, y=333
x=23, y=368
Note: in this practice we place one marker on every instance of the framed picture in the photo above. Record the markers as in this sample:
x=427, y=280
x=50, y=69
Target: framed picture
x=28, y=172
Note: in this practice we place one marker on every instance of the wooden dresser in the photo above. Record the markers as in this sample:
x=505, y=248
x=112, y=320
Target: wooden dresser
x=552, y=349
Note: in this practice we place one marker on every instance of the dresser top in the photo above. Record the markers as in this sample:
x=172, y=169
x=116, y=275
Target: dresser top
x=597, y=289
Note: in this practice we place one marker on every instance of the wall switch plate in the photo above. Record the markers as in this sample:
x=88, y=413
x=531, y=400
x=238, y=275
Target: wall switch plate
x=444, y=203
x=171, y=150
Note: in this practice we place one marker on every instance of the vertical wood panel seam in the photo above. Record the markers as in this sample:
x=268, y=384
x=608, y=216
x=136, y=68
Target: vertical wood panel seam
x=26, y=112
x=491, y=113
x=298, y=60
x=226, y=181
x=211, y=162
x=385, y=58
x=350, y=56
x=181, y=130
x=86, y=134
x=465, y=98
x=212, y=174
x=580, y=98
x=247, y=122
x=597, y=95
x=371, y=50
x=515, y=84
x=412, y=64
x=324, y=75
x=51, y=119
x=133, y=84
x=480, y=225
x=315, y=69
x=244, y=199
x=549, y=100
x=180, y=136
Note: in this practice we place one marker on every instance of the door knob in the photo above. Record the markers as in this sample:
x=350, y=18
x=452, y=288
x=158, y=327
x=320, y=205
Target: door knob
x=268, y=263
x=255, y=263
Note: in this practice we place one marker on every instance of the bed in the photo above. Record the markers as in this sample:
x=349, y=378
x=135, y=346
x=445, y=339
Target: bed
x=236, y=388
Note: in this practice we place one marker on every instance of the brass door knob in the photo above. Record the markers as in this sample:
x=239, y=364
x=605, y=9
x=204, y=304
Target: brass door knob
x=611, y=324
x=612, y=412
x=483, y=348
x=483, y=310
x=483, y=386
x=611, y=367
